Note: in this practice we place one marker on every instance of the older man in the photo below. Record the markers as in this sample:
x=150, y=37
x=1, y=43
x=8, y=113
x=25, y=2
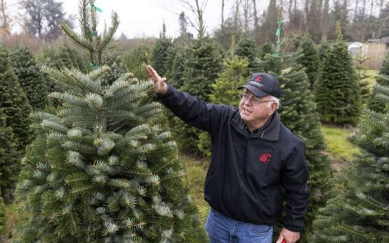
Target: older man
x=257, y=163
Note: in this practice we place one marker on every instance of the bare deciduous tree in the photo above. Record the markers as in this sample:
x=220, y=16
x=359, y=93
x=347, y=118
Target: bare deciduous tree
x=197, y=9
x=5, y=28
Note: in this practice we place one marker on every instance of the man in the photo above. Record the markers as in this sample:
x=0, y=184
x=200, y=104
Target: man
x=257, y=163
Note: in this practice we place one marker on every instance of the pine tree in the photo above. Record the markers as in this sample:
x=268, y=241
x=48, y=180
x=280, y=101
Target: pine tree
x=203, y=63
x=337, y=92
x=103, y=167
x=245, y=48
x=299, y=113
x=324, y=48
x=114, y=60
x=136, y=60
x=358, y=211
x=266, y=48
x=225, y=91
x=309, y=59
x=71, y=58
x=374, y=103
x=14, y=102
x=160, y=52
x=178, y=69
x=9, y=159
x=30, y=78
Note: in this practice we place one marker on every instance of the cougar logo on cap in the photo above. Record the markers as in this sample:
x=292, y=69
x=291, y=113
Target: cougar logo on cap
x=258, y=79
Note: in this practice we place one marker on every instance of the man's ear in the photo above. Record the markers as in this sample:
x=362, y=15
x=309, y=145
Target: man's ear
x=273, y=107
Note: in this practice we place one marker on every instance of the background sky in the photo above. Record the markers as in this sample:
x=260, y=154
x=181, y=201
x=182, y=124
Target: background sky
x=142, y=18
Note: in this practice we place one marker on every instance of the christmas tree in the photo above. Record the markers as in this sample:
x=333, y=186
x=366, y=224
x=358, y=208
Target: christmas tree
x=225, y=91
x=337, y=90
x=298, y=112
x=114, y=60
x=14, y=102
x=178, y=69
x=245, y=48
x=136, y=60
x=324, y=48
x=103, y=168
x=203, y=63
x=374, y=103
x=266, y=48
x=309, y=58
x=358, y=211
x=30, y=77
x=160, y=52
x=71, y=58
x=235, y=74
x=9, y=159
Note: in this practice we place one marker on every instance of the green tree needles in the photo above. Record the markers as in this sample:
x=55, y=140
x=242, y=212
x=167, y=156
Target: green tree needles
x=103, y=167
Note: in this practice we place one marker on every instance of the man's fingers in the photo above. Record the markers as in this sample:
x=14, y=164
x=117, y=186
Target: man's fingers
x=280, y=239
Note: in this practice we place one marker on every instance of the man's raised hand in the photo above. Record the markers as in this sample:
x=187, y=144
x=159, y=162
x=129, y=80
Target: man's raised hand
x=160, y=86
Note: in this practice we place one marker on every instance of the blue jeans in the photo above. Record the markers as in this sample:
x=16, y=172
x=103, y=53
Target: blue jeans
x=222, y=229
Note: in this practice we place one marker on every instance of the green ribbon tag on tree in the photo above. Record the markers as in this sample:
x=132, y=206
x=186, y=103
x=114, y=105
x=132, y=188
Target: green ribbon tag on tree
x=96, y=8
x=94, y=66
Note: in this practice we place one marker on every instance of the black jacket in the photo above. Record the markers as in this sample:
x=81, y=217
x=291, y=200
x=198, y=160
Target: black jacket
x=248, y=171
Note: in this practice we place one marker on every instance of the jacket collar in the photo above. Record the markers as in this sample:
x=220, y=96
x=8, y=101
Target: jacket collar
x=269, y=133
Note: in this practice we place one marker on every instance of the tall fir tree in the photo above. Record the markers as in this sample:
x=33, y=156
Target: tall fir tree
x=72, y=58
x=245, y=48
x=309, y=58
x=9, y=159
x=266, y=48
x=374, y=103
x=337, y=91
x=104, y=168
x=323, y=49
x=299, y=113
x=225, y=91
x=114, y=60
x=178, y=69
x=203, y=63
x=235, y=74
x=160, y=52
x=30, y=77
x=136, y=59
x=14, y=102
x=358, y=211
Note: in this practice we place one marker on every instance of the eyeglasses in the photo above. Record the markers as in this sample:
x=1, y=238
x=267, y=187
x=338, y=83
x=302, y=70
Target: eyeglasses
x=252, y=100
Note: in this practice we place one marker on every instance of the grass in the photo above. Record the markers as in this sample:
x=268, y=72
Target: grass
x=196, y=172
x=14, y=218
x=370, y=75
x=338, y=146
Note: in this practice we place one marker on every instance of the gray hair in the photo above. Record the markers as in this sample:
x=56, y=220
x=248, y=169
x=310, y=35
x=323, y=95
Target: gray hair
x=274, y=100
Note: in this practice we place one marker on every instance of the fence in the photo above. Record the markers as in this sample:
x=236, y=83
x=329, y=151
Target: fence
x=375, y=53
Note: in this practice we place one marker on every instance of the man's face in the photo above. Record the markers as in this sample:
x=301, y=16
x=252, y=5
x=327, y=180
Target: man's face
x=254, y=110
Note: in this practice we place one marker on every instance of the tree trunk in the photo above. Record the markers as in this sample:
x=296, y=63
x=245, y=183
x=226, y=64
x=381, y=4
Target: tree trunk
x=363, y=10
x=222, y=23
x=4, y=26
x=256, y=21
x=325, y=16
x=356, y=10
x=306, y=9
